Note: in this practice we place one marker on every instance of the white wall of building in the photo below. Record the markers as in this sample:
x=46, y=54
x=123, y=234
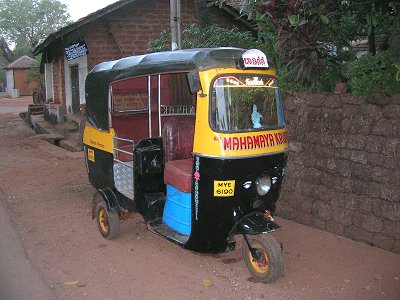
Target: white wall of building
x=10, y=80
x=48, y=75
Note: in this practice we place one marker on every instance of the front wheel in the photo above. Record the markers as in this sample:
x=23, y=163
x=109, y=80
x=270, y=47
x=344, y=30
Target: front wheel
x=269, y=265
x=107, y=222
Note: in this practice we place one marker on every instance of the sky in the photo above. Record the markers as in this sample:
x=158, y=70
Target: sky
x=81, y=8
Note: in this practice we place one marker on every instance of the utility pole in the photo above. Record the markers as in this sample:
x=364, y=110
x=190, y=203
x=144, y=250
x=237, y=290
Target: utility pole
x=175, y=23
x=178, y=23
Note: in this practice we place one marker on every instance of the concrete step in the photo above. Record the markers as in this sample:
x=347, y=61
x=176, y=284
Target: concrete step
x=70, y=126
x=38, y=124
x=53, y=138
x=43, y=127
x=71, y=145
x=57, y=134
x=74, y=118
x=35, y=109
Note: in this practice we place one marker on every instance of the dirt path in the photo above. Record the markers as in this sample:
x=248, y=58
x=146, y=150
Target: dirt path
x=16, y=270
x=17, y=105
x=47, y=196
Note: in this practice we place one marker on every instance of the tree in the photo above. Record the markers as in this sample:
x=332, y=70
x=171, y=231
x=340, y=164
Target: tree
x=299, y=31
x=26, y=23
x=368, y=18
x=309, y=37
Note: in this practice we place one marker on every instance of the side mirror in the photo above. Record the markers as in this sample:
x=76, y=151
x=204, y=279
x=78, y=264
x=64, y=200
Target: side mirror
x=194, y=82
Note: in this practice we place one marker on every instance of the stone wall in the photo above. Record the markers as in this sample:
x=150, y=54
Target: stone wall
x=343, y=174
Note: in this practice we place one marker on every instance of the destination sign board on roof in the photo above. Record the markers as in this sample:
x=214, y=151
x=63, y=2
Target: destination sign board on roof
x=254, y=58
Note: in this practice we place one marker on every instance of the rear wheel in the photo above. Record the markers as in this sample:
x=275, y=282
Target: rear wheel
x=269, y=267
x=107, y=222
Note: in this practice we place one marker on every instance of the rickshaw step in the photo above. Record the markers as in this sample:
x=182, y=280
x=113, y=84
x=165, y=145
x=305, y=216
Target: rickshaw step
x=157, y=226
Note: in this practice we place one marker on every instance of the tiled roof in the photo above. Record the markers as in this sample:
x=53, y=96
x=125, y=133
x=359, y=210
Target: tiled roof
x=24, y=62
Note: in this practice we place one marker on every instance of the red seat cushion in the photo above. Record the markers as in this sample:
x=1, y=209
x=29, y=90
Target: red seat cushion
x=178, y=173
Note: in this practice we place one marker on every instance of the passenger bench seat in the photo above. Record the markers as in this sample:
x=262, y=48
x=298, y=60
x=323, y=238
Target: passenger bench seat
x=177, y=137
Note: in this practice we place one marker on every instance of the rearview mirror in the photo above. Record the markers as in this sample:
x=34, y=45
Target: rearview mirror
x=194, y=82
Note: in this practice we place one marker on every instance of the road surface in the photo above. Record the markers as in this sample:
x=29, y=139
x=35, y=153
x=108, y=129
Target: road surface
x=50, y=247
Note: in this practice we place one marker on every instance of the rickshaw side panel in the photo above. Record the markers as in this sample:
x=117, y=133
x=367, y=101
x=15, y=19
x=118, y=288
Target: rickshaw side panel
x=99, y=167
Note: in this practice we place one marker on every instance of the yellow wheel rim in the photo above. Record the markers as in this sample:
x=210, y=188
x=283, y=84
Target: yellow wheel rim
x=103, y=220
x=260, y=266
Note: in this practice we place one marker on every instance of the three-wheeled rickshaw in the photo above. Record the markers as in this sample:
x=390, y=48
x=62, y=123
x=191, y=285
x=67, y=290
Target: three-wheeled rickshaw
x=194, y=141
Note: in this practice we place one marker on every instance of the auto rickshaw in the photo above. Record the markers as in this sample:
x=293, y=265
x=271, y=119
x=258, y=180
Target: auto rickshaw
x=195, y=141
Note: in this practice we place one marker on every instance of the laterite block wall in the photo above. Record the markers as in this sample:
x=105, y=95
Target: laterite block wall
x=343, y=174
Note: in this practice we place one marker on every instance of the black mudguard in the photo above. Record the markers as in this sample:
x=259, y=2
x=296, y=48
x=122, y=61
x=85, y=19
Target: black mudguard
x=255, y=223
x=109, y=198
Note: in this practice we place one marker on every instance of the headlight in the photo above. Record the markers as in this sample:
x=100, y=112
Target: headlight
x=263, y=184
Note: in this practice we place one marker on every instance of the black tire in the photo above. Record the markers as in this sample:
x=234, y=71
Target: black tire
x=270, y=267
x=107, y=222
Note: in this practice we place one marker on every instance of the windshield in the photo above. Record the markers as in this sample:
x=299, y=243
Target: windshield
x=242, y=103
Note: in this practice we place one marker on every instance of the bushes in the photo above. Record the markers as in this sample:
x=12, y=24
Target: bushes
x=374, y=74
x=369, y=75
x=208, y=37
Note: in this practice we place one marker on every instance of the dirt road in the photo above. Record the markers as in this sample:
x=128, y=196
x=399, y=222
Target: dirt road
x=46, y=196
x=8, y=105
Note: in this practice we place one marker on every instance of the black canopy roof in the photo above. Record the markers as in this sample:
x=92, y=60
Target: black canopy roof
x=102, y=75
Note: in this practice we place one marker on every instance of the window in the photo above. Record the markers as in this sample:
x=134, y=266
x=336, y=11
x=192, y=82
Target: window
x=241, y=103
x=130, y=95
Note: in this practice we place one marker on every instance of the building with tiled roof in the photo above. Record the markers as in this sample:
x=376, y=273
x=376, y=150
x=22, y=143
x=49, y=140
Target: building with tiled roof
x=19, y=76
x=121, y=29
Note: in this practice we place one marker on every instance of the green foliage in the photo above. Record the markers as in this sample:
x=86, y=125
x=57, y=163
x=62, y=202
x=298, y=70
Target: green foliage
x=310, y=40
x=245, y=96
x=207, y=37
x=374, y=74
x=299, y=31
x=398, y=72
x=161, y=44
x=286, y=82
x=215, y=36
x=327, y=82
x=26, y=23
x=3, y=62
x=360, y=18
